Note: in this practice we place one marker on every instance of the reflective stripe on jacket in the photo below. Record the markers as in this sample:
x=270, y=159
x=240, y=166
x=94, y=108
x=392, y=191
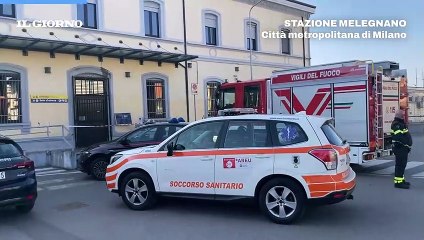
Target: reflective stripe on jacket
x=400, y=134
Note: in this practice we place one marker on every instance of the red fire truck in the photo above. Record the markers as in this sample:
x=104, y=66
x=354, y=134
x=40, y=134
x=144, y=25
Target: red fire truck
x=360, y=99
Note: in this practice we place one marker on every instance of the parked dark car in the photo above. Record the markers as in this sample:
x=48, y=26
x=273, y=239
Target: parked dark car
x=18, y=185
x=95, y=159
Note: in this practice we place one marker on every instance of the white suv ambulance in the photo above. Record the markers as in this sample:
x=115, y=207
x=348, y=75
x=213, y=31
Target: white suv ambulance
x=284, y=161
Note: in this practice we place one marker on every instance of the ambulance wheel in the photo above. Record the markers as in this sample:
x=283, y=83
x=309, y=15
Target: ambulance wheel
x=282, y=200
x=137, y=191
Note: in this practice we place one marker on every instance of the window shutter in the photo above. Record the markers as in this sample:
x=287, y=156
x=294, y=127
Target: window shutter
x=151, y=6
x=252, y=28
x=285, y=42
x=211, y=20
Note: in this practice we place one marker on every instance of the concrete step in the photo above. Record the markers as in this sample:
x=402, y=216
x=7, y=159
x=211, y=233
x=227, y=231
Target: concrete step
x=62, y=158
x=41, y=144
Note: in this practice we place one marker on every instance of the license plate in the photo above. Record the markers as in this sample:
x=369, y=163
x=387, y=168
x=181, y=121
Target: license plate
x=2, y=175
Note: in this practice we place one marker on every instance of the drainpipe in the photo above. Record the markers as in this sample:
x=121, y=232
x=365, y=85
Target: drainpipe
x=185, y=62
x=197, y=81
x=250, y=37
x=303, y=41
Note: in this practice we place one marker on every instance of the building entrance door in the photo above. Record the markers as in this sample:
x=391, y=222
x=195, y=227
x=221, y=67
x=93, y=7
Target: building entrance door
x=91, y=109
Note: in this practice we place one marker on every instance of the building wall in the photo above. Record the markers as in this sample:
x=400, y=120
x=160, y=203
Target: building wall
x=123, y=20
x=416, y=104
x=232, y=22
x=126, y=92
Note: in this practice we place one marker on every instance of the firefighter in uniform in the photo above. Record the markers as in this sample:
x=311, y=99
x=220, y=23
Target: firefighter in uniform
x=402, y=143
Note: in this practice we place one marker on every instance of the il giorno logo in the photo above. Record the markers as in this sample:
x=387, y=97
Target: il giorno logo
x=50, y=23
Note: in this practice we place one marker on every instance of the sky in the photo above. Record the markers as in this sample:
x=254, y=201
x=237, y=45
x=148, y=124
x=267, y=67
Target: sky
x=409, y=52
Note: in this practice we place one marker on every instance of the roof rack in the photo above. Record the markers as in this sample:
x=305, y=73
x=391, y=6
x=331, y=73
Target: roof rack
x=237, y=111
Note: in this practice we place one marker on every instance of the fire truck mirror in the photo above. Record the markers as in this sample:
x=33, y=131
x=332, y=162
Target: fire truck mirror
x=217, y=104
x=217, y=98
x=217, y=92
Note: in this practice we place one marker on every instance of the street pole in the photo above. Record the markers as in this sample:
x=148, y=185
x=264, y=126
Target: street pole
x=416, y=77
x=250, y=37
x=197, y=81
x=422, y=76
x=303, y=43
x=185, y=63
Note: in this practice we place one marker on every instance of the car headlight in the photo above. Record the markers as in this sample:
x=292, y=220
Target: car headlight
x=115, y=157
x=84, y=155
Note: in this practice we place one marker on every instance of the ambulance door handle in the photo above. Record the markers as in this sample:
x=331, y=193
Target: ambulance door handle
x=206, y=159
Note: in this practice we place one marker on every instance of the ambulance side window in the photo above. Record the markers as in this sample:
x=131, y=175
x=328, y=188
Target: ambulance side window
x=288, y=133
x=247, y=134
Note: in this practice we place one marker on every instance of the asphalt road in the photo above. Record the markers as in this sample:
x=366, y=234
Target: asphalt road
x=79, y=208
x=417, y=152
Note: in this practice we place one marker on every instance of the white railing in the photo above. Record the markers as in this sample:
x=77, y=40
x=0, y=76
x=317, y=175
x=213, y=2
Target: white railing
x=416, y=119
x=30, y=133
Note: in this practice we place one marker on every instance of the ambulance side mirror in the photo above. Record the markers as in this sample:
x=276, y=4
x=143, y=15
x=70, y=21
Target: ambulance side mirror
x=217, y=98
x=170, y=148
x=217, y=91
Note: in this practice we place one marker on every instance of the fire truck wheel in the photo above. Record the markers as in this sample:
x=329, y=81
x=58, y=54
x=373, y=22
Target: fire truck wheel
x=137, y=191
x=282, y=200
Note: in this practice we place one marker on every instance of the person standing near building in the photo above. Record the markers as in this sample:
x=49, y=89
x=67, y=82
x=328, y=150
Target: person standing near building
x=402, y=143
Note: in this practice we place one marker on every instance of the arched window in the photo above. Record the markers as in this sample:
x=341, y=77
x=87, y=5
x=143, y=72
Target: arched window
x=87, y=13
x=285, y=42
x=8, y=10
x=155, y=97
x=10, y=97
x=211, y=28
x=152, y=19
x=252, y=35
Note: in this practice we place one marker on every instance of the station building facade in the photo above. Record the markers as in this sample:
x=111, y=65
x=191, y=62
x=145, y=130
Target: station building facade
x=129, y=61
